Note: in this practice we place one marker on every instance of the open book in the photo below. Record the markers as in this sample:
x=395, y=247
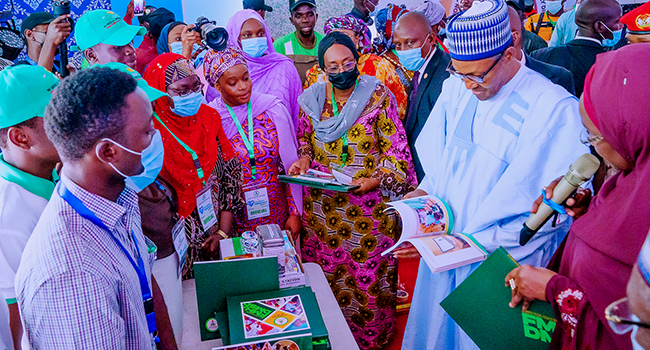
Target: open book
x=336, y=181
x=427, y=223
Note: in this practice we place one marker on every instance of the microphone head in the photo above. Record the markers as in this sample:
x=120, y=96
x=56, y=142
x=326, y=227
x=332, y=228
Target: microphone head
x=583, y=169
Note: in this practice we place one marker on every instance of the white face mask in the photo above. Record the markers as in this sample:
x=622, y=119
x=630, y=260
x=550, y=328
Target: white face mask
x=635, y=330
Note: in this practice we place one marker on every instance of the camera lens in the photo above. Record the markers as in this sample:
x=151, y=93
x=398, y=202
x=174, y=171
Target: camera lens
x=217, y=39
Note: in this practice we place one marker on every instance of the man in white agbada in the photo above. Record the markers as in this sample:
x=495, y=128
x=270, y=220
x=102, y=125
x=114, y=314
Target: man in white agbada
x=498, y=133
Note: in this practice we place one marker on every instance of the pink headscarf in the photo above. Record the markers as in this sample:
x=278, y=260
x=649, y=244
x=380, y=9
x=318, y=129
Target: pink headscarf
x=272, y=73
x=619, y=217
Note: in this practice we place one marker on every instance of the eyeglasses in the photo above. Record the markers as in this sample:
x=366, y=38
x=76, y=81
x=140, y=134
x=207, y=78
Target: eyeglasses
x=477, y=79
x=345, y=68
x=587, y=139
x=183, y=93
x=619, y=316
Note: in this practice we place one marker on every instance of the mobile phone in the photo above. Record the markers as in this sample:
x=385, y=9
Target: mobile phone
x=138, y=7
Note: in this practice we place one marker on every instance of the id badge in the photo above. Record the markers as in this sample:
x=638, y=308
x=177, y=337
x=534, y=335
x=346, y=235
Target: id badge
x=257, y=203
x=180, y=244
x=205, y=207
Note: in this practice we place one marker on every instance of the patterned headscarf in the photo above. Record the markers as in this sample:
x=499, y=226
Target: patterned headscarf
x=216, y=63
x=179, y=69
x=350, y=23
x=385, y=21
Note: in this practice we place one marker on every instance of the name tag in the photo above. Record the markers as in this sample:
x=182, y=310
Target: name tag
x=180, y=244
x=205, y=207
x=257, y=203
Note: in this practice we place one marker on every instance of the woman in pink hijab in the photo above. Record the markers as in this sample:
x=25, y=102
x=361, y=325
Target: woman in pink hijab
x=272, y=73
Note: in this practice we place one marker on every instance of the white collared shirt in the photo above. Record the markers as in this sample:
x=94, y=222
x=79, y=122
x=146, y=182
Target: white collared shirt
x=590, y=39
x=426, y=63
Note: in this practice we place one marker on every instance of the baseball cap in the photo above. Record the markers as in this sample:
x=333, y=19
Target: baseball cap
x=517, y=4
x=295, y=3
x=25, y=91
x=106, y=27
x=256, y=5
x=159, y=19
x=35, y=19
x=152, y=93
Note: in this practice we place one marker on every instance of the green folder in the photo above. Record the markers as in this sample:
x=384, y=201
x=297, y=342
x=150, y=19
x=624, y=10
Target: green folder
x=263, y=313
x=217, y=280
x=292, y=179
x=479, y=305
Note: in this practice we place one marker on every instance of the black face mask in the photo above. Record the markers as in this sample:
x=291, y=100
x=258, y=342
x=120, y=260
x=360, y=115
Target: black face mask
x=344, y=80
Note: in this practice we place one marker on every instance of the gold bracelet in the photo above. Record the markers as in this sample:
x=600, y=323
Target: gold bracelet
x=222, y=234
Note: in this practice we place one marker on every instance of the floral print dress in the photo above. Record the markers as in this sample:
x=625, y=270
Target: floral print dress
x=346, y=233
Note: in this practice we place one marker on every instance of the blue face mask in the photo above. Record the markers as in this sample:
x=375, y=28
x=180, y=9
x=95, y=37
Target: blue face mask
x=152, y=160
x=177, y=47
x=254, y=47
x=554, y=7
x=635, y=330
x=611, y=42
x=411, y=59
x=187, y=106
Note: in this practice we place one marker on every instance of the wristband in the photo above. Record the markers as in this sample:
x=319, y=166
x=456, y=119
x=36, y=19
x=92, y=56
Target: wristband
x=222, y=234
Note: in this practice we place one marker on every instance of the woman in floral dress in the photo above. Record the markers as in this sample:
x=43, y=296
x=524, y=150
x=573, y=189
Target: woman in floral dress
x=351, y=124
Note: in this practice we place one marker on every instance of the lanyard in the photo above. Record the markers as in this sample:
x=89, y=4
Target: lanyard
x=87, y=214
x=249, y=142
x=195, y=157
x=344, y=138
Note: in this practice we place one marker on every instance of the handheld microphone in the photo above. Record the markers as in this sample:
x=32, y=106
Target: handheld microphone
x=579, y=172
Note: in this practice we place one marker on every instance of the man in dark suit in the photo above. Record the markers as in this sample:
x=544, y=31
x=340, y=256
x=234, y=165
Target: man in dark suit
x=558, y=75
x=415, y=44
x=597, y=20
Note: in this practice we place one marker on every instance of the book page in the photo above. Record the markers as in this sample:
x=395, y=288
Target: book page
x=445, y=252
x=421, y=217
x=273, y=316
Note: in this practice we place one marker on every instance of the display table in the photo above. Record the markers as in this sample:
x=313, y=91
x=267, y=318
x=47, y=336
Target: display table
x=339, y=332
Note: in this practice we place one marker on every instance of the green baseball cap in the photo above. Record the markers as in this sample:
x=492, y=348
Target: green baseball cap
x=153, y=93
x=106, y=27
x=25, y=91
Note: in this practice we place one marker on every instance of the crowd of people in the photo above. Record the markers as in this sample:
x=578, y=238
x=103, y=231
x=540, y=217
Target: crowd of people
x=483, y=106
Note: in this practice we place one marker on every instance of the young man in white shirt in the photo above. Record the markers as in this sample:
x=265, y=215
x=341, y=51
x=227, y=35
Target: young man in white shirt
x=27, y=175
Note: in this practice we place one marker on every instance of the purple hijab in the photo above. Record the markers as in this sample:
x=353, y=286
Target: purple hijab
x=272, y=73
x=273, y=107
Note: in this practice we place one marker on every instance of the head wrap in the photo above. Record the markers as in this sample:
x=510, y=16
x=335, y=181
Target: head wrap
x=331, y=39
x=350, y=23
x=385, y=22
x=432, y=10
x=202, y=133
x=616, y=224
x=163, y=40
x=480, y=32
x=177, y=70
x=273, y=73
x=216, y=63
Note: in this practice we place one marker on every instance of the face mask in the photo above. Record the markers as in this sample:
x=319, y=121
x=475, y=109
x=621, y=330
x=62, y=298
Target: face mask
x=254, y=47
x=611, y=42
x=177, y=47
x=344, y=80
x=554, y=7
x=412, y=59
x=635, y=330
x=151, y=159
x=187, y=106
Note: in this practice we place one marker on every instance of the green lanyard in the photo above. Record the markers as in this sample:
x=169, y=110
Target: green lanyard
x=249, y=142
x=195, y=157
x=344, y=138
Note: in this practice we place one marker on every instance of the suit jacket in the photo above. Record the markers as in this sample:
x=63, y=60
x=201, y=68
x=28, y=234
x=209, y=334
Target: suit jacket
x=428, y=91
x=578, y=55
x=558, y=75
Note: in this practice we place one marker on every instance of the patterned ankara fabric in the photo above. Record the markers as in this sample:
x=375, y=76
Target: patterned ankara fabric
x=346, y=233
x=377, y=67
x=216, y=63
x=354, y=24
x=480, y=32
x=77, y=289
x=178, y=70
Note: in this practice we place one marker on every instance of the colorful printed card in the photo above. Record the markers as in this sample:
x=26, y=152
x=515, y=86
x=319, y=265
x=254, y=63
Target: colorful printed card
x=273, y=316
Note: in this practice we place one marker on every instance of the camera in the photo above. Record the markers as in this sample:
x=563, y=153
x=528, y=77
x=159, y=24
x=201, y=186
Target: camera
x=62, y=7
x=214, y=37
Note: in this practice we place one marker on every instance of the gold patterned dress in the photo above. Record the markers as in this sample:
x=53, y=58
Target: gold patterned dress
x=346, y=233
